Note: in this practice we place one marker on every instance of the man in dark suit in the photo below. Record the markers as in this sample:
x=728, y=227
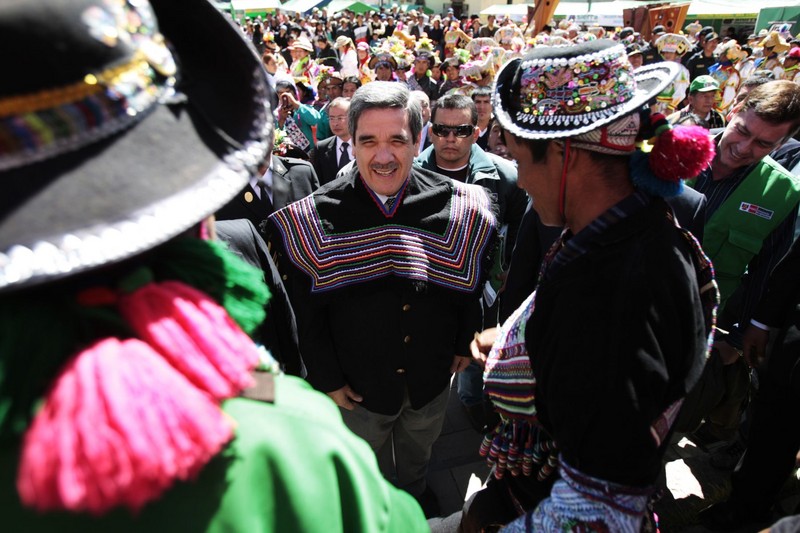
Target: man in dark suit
x=385, y=266
x=331, y=154
x=286, y=180
x=278, y=332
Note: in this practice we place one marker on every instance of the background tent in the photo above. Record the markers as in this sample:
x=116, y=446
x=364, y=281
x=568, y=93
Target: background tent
x=350, y=5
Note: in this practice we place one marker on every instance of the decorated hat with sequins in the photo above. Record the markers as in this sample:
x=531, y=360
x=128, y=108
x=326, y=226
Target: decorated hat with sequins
x=673, y=43
x=121, y=125
x=564, y=91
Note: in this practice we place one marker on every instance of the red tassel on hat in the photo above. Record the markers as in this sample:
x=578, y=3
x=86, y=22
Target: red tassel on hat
x=681, y=152
x=119, y=426
x=194, y=334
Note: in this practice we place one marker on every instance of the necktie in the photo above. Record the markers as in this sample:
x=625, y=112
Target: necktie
x=344, y=158
x=265, y=201
x=389, y=203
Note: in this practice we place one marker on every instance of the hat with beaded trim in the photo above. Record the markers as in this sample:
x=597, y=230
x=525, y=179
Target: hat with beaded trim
x=672, y=42
x=108, y=145
x=556, y=92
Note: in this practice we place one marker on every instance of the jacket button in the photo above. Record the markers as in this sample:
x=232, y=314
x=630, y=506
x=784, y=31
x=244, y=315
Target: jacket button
x=407, y=339
x=401, y=370
x=406, y=307
x=284, y=277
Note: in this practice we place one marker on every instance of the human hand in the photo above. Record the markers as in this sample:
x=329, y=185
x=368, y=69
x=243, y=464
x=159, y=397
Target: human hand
x=727, y=353
x=459, y=364
x=289, y=102
x=502, y=277
x=754, y=345
x=345, y=397
x=482, y=343
x=283, y=114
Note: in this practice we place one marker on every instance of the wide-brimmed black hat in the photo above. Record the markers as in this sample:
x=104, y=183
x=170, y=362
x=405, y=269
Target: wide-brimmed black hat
x=121, y=126
x=564, y=91
x=382, y=58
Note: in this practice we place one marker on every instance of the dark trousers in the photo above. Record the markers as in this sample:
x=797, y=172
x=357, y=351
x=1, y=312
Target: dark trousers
x=774, y=436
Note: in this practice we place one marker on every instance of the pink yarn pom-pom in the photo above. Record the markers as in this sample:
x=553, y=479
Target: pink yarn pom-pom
x=194, y=334
x=119, y=426
x=681, y=153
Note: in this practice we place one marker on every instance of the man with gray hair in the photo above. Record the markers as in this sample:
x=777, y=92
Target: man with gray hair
x=385, y=266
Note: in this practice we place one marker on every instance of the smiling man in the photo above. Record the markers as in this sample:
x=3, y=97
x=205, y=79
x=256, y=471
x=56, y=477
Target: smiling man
x=750, y=219
x=385, y=266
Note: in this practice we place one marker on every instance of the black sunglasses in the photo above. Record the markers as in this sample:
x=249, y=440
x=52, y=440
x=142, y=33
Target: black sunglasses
x=464, y=130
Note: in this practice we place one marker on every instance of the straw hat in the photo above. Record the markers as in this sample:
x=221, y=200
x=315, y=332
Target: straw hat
x=672, y=42
x=775, y=41
x=301, y=43
x=342, y=41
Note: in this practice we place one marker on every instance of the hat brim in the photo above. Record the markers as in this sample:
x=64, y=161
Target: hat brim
x=373, y=63
x=178, y=164
x=650, y=81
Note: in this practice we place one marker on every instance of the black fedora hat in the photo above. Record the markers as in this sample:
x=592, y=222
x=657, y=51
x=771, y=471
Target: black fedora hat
x=384, y=58
x=564, y=91
x=121, y=126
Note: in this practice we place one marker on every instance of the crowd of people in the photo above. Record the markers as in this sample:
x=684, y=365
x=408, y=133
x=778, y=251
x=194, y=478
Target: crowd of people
x=445, y=54
x=260, y=250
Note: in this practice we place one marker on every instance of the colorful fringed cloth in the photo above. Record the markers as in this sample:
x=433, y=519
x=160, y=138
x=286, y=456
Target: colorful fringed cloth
x=451, y=259
x=518, y=444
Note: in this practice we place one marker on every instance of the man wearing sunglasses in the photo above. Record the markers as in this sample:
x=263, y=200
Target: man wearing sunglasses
x=455, y=154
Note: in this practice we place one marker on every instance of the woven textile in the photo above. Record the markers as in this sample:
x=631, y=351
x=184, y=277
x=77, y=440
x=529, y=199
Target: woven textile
x=450, y=259
x=582, y=503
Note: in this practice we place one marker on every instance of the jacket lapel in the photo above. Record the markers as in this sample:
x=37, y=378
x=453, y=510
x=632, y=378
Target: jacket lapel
x=281, y=184
x=248, y=198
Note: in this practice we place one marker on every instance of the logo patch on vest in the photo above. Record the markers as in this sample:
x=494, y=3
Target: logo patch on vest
x=758, y=211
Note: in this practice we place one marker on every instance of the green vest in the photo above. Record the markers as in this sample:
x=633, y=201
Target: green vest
x=293, y=466
x=737, y=230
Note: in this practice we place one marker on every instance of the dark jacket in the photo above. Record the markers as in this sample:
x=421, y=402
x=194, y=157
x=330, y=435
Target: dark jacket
x=278, y=332
x=292, y=179
x=698, y=64
x=328, y=57
x=369, y=315
x=499, y=177
x=534, y=239
x=325, y=159
x=426, y=84
x=617, y=336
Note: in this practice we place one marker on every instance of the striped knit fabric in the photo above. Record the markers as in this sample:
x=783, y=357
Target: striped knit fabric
x=518, y=445
x=508, y=377
x=451, y=259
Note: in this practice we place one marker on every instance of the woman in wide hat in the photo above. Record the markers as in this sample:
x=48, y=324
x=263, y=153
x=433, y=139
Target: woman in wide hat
x=384, y=65
x=123, y=343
